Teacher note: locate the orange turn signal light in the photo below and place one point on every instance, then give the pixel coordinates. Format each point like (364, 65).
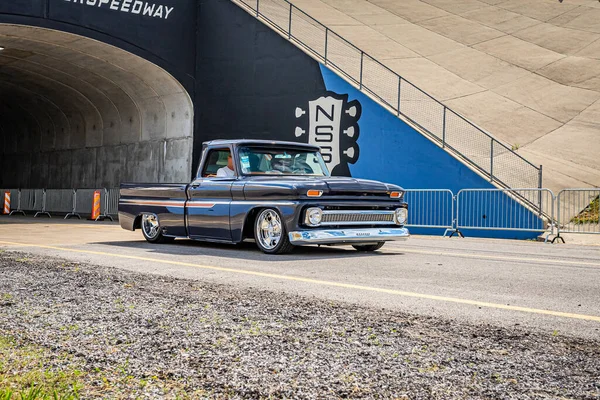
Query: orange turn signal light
(395, 195)
(314, 193)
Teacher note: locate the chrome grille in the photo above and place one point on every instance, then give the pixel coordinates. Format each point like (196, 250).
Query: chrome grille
(357, 217)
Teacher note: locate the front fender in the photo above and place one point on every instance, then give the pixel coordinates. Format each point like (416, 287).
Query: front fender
(243, 215)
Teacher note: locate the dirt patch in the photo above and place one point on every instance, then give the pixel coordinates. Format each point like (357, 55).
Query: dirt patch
(216, 340)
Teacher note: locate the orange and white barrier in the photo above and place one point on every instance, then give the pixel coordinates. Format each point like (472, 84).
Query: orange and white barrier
(6, 202)
(96, 205)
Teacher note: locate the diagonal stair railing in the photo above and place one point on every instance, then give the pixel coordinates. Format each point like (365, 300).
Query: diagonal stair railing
(459, 136)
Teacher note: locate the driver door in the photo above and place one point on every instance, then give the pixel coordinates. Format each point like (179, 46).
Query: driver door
(210, 199)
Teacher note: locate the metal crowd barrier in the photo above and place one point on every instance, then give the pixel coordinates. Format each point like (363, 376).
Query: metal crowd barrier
(71, 202)
(28, 201)
(577, 212)
(504, 209)
(111, 205)
(73, 212)
(529, 210)
(19, 198)
(430, 208)
(85, 198)
(59, 200)
(39, 203)
(62, 201)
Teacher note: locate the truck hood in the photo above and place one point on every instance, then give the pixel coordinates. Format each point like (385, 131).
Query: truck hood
(330, 185)
(348, 186)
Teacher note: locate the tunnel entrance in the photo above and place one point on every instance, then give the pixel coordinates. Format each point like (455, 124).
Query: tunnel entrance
(79, 113)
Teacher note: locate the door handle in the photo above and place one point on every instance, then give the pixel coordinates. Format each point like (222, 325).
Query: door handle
(195, 185)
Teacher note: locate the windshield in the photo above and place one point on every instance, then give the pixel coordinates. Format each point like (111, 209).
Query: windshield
(281, 161)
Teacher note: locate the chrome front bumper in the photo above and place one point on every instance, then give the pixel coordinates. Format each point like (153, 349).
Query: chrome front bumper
(341, 236)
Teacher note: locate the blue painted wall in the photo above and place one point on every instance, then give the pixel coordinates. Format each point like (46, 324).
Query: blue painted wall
(392, 151)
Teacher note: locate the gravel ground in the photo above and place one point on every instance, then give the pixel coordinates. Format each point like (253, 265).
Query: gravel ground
(219, 341)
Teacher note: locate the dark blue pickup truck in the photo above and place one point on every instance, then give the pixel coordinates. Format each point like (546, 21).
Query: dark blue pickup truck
(278, 193)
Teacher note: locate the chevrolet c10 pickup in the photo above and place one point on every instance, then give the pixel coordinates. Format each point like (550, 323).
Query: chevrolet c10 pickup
(279, 194)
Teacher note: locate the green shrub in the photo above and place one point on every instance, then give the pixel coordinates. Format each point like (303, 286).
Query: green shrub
(589, 215)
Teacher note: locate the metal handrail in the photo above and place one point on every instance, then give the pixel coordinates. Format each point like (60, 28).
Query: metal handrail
(515, 175)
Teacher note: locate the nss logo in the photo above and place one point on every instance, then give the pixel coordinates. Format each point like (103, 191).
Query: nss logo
(332, 124)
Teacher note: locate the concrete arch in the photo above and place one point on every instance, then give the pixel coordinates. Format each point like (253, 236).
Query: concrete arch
(82, 113)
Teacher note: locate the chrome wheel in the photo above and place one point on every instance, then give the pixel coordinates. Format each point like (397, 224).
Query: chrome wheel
(268, 229)
(150, 226)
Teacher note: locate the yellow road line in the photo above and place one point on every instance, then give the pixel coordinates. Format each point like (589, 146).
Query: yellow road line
(324, 283)
(94, 227)
(498, 258)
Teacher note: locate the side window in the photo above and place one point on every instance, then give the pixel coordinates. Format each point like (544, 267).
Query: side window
(216, 160)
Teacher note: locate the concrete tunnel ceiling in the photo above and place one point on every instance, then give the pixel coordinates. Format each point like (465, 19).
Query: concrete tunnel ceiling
(76, 112)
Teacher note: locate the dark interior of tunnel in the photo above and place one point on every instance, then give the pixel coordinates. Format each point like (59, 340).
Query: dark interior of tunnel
(79, 113)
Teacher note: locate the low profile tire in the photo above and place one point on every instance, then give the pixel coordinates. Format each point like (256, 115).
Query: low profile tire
(270, 233)
(151, 230)
(369, 247)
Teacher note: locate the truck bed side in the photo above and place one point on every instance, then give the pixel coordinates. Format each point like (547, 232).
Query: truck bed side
(166, 200)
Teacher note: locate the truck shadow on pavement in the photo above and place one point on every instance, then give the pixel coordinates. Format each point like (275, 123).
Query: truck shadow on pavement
(246, 250)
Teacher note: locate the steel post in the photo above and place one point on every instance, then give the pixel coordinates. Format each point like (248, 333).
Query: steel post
(19, 204)
(290, 23)
(326, 37)
(539, 187)
(73, 212)
(444, 129)
(492, 160)
(362, 56)
(43, 210)
(399, 91)
(104, 212)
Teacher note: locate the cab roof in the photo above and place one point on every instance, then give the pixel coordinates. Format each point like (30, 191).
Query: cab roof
(256, 142)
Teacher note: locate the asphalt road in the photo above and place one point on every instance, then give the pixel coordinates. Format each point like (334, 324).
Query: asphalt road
(542, 287)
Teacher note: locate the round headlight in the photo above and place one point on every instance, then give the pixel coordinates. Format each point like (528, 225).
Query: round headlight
(313, 216)
(400, 216)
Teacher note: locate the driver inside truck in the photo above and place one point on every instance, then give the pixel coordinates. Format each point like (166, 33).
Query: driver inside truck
(226, 171)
